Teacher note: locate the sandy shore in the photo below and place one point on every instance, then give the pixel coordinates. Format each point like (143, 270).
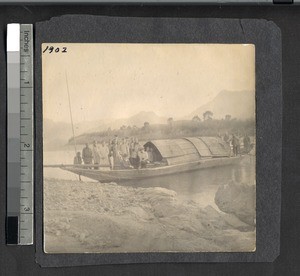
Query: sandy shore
(96, 217)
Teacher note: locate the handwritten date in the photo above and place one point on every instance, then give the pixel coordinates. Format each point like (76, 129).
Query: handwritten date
(51, 49)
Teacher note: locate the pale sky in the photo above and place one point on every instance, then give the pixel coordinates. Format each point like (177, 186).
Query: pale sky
(120, 80)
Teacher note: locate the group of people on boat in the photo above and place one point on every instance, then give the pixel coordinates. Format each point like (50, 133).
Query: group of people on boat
(129, 153)
(124, 153)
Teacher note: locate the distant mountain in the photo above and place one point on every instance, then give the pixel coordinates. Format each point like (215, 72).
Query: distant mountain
(238, 104)
(140, 118)
(57, 134)
(136, 120)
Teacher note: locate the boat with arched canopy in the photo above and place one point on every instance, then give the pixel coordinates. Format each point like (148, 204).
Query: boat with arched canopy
(171, 156)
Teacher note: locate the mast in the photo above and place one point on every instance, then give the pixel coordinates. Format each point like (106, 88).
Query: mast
(71, 117)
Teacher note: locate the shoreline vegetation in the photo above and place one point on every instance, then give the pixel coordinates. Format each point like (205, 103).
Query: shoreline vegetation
(229, 112)
(174, 129)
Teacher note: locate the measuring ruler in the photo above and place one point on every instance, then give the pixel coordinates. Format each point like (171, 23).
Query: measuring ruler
(20, 133)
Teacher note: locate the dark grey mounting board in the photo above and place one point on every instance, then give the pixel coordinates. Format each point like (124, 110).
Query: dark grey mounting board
(21, 260)
(267, 39)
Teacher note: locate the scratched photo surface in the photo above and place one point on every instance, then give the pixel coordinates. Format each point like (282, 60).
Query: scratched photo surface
(149, 148)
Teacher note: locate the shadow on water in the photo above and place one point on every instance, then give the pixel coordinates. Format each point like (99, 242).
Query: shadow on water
(191, 185)
(199, 186)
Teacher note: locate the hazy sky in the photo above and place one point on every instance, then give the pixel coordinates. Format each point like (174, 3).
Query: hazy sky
(119, 80)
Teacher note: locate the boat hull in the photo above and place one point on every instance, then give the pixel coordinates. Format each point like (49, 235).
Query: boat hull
(134, 174)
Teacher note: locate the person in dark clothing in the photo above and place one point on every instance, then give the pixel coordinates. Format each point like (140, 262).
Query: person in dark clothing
(134, 157)
(77, 159)
(226, 137)
(87, 155)
(143, 158)
(235, 145)
(247, 143)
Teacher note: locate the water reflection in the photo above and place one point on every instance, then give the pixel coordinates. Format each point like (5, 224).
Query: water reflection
(202, 185)
(195, 180)
(199, 186)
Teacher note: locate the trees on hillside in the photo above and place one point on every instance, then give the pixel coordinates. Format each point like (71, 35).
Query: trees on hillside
(196, 118)
(146, 127)
(173, 129)
(228, 117)
(207, 115)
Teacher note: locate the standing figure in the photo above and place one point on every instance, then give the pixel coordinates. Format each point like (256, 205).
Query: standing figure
(115, 140)
(111, 157)
(235, 145)
(96, 155)
(226, 138)
(115, 149)
(134, 158)
(103, 150)
(124, 149)
(77, 159)
(87, 155)
(247, 143)
(143, 158)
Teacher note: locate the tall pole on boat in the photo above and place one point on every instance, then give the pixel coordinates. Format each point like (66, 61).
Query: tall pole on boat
(70, 108)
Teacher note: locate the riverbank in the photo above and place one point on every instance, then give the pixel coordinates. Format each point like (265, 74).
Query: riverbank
(95, 217)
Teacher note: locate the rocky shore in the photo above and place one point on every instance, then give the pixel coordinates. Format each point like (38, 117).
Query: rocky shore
(238, 199)
(96, 217)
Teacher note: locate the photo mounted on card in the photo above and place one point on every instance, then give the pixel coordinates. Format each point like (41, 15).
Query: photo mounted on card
(155, 147)
(148, 150)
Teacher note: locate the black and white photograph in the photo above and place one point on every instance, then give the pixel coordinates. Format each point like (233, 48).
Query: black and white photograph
(149, 147)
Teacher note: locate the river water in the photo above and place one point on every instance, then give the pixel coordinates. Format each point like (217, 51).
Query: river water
(199, 186)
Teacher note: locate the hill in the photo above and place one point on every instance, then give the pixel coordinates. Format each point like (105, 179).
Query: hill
(238, 104)
(57, 134)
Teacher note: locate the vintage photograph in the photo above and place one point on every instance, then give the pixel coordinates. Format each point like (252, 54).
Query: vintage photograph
(149, 147)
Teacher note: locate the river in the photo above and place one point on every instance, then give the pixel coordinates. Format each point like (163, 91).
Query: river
(199, 186)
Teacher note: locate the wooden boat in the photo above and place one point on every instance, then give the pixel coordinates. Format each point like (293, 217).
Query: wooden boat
(172, 156)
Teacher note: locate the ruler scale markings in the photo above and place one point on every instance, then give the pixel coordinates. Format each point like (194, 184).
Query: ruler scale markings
(20, 134)
(13, 133)
(26, 136)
